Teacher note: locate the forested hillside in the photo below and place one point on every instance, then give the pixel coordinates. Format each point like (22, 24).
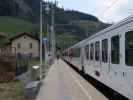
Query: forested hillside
(68, 23)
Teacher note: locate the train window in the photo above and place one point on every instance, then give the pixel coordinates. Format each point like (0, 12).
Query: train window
(115, 50)
(105, 50)
(97, 51)
(87, 52)
(76, 52)
(129, 48)
(92, 52)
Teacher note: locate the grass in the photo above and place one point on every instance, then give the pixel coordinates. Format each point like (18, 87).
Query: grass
(11, 26)
(35, 62)
(66, 40)
(89, 25)
(11, 91)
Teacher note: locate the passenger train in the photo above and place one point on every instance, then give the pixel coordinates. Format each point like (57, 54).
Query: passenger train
(107, 56)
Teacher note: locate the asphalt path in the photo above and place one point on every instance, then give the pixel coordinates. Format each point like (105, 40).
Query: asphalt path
(63, 83)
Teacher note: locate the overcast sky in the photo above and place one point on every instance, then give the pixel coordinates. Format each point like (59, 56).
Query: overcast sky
(105, 10)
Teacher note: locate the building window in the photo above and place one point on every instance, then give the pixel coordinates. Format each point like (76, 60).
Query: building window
(87, 52)
(92, 52)
(129, 48)
(105, 50)
(115, 50)
(19, 45)
(31, 45)
(97, 51)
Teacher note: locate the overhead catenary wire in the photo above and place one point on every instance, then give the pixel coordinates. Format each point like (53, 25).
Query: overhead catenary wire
(107, 5)
(110, 6)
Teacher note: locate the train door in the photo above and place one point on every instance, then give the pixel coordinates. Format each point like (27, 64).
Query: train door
(115, 66)
(86, 58)
(97, 63)
(91, 62)
(129, 58)
(67, 53)
(77, 58)
(104, 56)
(71, 54)
(82, 58)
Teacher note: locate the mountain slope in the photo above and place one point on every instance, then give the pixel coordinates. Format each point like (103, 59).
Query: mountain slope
(24, 16)
(90, 27)
(12, 26)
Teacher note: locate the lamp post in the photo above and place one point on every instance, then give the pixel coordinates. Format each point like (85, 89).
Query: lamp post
(41, 41)
(53, 34)
(41, 36)
(48, 7)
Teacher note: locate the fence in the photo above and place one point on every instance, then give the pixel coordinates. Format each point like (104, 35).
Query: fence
(11, 64)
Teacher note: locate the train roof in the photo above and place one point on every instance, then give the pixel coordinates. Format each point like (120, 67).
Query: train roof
(79, 44)
(117, 25)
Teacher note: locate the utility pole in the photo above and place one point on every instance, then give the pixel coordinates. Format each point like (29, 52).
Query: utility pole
(53, 34)
(49, 6)
(47, 44)
(41, 59)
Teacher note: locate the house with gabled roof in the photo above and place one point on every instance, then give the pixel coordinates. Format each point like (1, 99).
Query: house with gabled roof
(25, 44)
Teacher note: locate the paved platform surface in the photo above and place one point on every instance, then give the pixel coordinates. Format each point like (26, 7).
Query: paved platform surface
(63, 83)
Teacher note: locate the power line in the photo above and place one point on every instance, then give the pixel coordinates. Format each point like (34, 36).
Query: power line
(108, 8)
(110, 5)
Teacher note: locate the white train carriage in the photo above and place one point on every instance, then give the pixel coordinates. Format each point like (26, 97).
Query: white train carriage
(108, 57)
(65, 53)
(75, 54)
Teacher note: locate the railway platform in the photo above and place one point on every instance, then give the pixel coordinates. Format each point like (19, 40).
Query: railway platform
(63, 83)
